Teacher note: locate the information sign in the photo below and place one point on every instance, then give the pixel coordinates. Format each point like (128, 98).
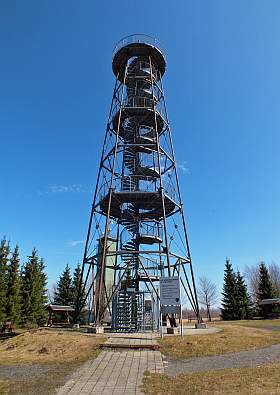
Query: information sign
(169, 291)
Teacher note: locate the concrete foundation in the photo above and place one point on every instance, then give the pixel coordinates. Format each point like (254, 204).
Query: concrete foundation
(99, 330)
(200, 325)
(173, 331)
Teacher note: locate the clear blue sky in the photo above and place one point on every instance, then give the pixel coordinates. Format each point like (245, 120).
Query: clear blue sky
(222, 87)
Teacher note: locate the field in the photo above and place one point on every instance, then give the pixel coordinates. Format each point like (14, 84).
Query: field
(235, 337)
(43, 358)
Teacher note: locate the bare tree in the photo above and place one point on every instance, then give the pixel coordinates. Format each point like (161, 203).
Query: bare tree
(252, 277)
(51, 293)
(207, 294)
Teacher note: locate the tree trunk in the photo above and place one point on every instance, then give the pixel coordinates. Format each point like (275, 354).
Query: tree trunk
(208, 313)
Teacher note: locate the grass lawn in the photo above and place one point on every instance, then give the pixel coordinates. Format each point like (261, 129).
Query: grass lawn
(236, 336)
(260, 323)
(233, 338)
(260, 380)
(60, 352)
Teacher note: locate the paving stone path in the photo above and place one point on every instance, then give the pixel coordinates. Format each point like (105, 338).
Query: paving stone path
(116, 371)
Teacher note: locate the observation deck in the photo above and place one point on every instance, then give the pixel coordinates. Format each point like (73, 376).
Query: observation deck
(149, 202)
(139, 45)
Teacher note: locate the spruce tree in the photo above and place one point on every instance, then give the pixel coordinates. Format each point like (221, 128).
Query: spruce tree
(40, 293)
(64, 291)
(33, 290)
(75, 286)
(242, 298)
(13, 288)
(4, 258)
(265, 290)
(229, 293)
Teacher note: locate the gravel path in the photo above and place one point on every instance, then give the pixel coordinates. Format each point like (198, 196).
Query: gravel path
(23, 371)
(231, 360)
(270, 327)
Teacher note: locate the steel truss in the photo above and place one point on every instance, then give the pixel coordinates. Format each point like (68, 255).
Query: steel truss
(137, 230)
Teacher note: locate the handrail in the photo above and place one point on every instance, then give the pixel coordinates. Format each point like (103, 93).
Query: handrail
(138, 38)
(150, 229)
(134, 183)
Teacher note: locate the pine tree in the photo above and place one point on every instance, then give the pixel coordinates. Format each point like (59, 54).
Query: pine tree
(64, 291)
(265, 290)
(13, 289)
(229, 303)
(4, 258)
(242, 298)
(34, 290)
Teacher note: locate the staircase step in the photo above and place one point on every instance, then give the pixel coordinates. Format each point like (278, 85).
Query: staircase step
(139, 346)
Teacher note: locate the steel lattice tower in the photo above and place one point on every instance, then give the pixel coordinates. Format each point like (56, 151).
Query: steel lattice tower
(137, 230)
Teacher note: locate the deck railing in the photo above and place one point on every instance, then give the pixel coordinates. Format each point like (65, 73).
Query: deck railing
(138, 38)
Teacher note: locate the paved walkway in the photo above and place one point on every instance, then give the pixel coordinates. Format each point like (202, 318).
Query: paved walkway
(116, 372)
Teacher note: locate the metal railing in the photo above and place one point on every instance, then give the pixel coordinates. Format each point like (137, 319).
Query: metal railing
(140, 229)
(151, 266)
(151, 229)
(140, 101)
(135, 183)
(141, 39)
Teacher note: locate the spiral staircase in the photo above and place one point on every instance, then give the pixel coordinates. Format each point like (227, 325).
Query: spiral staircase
(137, 201)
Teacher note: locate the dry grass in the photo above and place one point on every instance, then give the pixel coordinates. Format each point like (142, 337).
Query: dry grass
(260, 380)
(43, 346)
(233, 338)
(260, 323)
(62, 352)
(44, 385)
(4, 387)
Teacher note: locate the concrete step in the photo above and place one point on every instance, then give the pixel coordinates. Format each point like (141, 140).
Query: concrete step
(125, 346)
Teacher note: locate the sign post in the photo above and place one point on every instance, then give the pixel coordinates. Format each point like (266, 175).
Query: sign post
(181, 316)
(170, 300)
(169, 291)
(161, 328)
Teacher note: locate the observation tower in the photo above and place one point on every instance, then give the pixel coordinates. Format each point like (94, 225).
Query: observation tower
(137, 230)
